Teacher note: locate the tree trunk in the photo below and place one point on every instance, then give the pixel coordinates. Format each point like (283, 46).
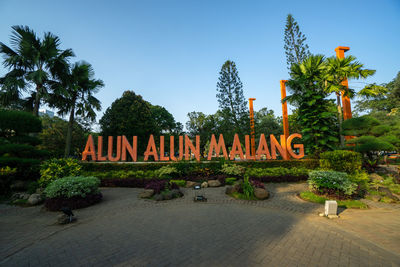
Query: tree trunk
(37, 102)
(69, 132)
(340, 119)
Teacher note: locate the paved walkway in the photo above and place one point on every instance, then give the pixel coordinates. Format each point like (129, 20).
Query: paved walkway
(126, 231)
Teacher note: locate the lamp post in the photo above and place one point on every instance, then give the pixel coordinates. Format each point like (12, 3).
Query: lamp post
(252, 131)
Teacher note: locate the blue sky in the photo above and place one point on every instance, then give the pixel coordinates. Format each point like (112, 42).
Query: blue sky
(170, 52)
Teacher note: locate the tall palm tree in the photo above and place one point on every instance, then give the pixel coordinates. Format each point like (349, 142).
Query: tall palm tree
(32, 63)
(337, 71)
(73, 94)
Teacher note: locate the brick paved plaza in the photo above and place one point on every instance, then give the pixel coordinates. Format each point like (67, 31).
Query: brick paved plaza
(126, 231)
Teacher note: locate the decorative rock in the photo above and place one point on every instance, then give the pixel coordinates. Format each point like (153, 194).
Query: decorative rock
(204, 184)
(18, 185)
(261, 193)
(158, 197)
(214, 183)
(20, 196)
(190, 184)
(64, 219)
(147, 193)
(34, 199)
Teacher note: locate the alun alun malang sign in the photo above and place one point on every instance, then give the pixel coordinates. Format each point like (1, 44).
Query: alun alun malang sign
(187, 148)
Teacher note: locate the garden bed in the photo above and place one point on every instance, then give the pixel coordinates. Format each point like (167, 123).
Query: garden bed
(76, 202)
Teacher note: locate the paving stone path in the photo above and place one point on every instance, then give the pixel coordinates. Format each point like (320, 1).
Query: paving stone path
(126, 231)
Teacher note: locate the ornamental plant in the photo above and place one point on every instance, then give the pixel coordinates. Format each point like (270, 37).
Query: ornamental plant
(247, 188)
(233, 169)
(55, 169)
(72, 186)
(339, 182)
(166, 172)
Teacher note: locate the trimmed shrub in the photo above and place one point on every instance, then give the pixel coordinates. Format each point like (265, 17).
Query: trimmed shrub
(185, 168)
(19, 122)
(180, 183)
(230, 180)
(341, 161)
(27, 169)
(54, 169)
(232, 169)
(72, 186)
(331, 182)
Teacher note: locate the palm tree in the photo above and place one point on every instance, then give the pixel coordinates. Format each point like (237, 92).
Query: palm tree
(73, 94)
(32, 63)
(337, 71)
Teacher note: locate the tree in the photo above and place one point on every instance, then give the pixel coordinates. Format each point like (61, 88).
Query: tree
(54, 134)
(131, 115)
(202, 125)
(296, 49)
(266, 122)
(74, 95)
(316, 114)
(32, 62)
(387, 101)
(337, 71)
(372, 137)
(231, 98)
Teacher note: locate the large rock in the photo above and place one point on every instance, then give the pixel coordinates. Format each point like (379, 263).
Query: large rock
(204, 184)
(261, 193)
(214, 183)
(34, 199)
(147, 193)
(190, 184)
(20, 196)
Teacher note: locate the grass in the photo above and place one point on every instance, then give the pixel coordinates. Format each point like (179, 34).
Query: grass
(348, 204)
(242, 196)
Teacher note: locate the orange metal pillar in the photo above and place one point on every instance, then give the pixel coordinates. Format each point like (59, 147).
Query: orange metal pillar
(285, 118)
(345, 99)
(252, 130)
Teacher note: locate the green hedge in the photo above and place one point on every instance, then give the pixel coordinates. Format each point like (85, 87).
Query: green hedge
(193, 167)
(72, 186)
(341, 161)
(19, 122)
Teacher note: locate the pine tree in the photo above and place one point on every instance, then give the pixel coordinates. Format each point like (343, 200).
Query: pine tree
(296, 49)
(230, 96)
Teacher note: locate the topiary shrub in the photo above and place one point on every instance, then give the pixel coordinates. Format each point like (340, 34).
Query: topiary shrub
(341, 161)
(54, 169)
(332, 183)
(17, 147)
(73, 192)
(180, 183)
